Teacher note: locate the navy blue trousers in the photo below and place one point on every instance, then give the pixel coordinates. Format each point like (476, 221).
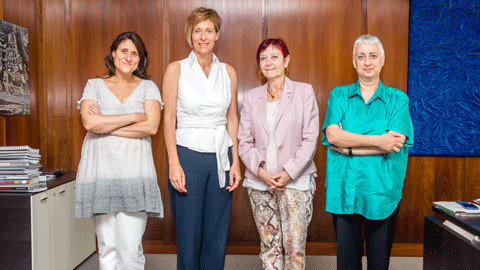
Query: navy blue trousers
(378, 240)
(202, 215)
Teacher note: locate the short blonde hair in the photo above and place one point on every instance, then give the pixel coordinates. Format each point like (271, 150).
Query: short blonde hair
(199, 15)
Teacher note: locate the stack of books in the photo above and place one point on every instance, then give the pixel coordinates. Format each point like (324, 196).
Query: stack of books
(457, 209)
(20, 169)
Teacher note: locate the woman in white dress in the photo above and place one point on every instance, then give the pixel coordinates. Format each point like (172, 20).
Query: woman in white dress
(201, 125)
(116, 182)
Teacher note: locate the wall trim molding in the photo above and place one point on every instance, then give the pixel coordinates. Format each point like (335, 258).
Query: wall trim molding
(313, 248)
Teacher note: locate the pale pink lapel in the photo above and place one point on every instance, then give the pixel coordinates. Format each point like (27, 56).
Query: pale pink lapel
(262, 103)
(285, 100)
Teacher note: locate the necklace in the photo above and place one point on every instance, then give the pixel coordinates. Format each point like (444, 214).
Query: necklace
(272, 95)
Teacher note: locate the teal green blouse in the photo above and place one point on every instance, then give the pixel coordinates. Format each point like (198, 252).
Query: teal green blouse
(367, 185)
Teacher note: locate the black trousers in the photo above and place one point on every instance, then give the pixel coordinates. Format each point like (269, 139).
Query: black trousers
(378, 240)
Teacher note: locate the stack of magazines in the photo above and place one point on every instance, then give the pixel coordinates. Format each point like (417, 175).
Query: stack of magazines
(459, 208)
(20, 169)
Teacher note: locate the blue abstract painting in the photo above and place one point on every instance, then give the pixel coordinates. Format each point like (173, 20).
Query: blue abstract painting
(444, 77)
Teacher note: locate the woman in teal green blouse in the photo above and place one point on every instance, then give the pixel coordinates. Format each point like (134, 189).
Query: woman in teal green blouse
(368, 130)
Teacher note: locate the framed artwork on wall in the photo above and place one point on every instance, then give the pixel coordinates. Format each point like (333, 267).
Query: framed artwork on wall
(444, 77)
(14, 69)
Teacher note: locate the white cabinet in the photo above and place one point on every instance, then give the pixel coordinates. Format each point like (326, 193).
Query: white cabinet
(41, 230)
(59, 241)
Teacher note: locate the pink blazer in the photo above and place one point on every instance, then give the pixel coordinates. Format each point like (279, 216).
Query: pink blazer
(296, 131)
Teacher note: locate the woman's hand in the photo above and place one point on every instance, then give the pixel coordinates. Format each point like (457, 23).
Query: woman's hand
(235, 177)
(94, 111)
(93, 108)
(140, 117)
(267, 177)
(281, 179)
(177, 178)
(391, 141)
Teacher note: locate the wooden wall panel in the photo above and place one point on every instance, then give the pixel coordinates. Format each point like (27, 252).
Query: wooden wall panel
(90, 35)
(56, 127)
(3, 131)
(472, 178)
(320, 48)
(388, 19)
(449, 178)
(94, 25)
(240, 33)
(418, 196)
(320, 36)
(175, 15)
(70, 38)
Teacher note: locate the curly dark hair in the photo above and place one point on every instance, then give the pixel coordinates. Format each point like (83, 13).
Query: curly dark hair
(142, 53)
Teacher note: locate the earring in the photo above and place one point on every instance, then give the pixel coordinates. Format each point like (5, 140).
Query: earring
(286, 71)
(260, 74)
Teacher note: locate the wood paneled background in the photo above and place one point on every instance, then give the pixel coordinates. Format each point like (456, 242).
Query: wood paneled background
(70, 38)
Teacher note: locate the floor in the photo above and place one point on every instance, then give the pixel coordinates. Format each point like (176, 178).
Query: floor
(234, 262)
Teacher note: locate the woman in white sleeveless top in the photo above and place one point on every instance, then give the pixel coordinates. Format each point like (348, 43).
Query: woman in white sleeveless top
(200, 127)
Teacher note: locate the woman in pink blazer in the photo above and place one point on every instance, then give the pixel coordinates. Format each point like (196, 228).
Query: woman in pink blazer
(278, 133)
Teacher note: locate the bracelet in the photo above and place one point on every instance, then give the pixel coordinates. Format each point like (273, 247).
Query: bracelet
(350, 154)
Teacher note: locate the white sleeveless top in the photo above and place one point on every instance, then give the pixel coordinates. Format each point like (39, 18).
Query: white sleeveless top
(202, 105)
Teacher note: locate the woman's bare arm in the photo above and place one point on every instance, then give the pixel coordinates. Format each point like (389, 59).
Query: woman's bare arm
(232, 129)
(148, 127)
(170, 96)
(101, 124)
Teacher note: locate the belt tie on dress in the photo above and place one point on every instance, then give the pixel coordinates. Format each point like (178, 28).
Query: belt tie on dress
(221, 139)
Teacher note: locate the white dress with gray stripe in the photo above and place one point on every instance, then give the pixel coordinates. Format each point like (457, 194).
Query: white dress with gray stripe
(117, 174)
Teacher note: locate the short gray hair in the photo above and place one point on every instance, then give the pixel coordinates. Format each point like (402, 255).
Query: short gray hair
(368, 39)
